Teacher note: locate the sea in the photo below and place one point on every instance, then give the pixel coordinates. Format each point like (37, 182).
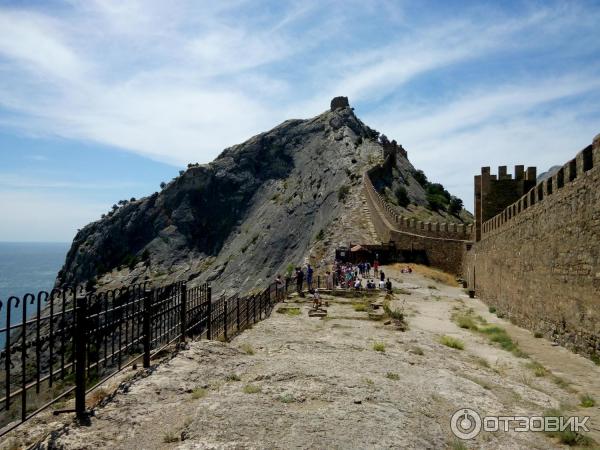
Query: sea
(28, 267)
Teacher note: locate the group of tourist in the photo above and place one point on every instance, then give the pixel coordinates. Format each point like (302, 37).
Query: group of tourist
(363, 275)
(352, 276)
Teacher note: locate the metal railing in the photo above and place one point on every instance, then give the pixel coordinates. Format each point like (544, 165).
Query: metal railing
(64, 342)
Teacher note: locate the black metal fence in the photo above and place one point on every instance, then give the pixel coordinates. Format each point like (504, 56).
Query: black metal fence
(64, 342)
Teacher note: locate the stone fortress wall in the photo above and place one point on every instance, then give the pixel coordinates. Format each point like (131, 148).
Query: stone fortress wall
(444, 244)
(536, 258)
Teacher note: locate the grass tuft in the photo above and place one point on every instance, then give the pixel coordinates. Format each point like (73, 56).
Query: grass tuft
(233, 377)
(458, 445)
(198, 393)
(567, 437)
(252, 389)
(587, 401)
(466, 321)
(247, 348)
(451, 342)
(379, 347)
(416, 350)
(170, 436)
(500, 336)
(538, 369)
(392, 376)
(287, 398)
(359, 307)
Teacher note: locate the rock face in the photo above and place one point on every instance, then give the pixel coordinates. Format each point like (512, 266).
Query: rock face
(240, 219)
(276, 200)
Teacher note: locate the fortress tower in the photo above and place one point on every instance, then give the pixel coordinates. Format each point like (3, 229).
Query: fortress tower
(493, 193)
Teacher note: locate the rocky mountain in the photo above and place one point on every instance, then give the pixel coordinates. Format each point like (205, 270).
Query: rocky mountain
(279, 199)
(548, 173)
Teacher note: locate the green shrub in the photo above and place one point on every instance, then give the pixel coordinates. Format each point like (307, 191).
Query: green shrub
(343, 192)
(402, 196)
(455, 206)
(421, 178)
(492, 309)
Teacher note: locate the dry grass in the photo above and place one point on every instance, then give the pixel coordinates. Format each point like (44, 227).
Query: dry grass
(198, 393)
(429, 272)
(252, 389)
(170, 437)
(96, 396)
(247, 348)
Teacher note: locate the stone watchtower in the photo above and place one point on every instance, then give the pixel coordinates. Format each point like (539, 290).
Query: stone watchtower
(339, 102)
(493, 193)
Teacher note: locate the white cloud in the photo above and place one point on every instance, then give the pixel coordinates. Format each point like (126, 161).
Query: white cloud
(178, 84)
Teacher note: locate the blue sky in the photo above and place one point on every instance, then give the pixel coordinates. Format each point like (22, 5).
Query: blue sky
(103, 100)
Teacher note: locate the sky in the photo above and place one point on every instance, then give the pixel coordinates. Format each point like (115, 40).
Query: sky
(103, 100)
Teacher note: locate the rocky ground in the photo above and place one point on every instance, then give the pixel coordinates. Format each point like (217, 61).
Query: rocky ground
(298, 382)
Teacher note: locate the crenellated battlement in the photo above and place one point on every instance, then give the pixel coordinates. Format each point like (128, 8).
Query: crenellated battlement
(536, 260)
(494, 192)
(402, 223)
(533, 192)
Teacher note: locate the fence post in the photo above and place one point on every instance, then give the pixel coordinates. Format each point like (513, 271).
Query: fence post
(147, 318)
(183, 311)
(80, 356)
(225, 318)
(238, 312)
(209, 314)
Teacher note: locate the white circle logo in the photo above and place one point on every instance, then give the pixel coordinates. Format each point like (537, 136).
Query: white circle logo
(465, 424)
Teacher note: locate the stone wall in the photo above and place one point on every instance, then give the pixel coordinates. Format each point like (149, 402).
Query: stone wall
(442, 251)
(538, 261)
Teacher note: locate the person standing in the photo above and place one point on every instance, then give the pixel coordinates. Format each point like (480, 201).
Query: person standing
(388, 286)
(309, 276)
(329, 280)
(299, 280)
(381, 275)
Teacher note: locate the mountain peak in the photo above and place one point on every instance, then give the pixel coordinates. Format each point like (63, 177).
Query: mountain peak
(339, 102)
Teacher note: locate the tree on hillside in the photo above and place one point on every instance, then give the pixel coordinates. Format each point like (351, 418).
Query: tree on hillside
(402, 196)
(421, 178)
(456, 206)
